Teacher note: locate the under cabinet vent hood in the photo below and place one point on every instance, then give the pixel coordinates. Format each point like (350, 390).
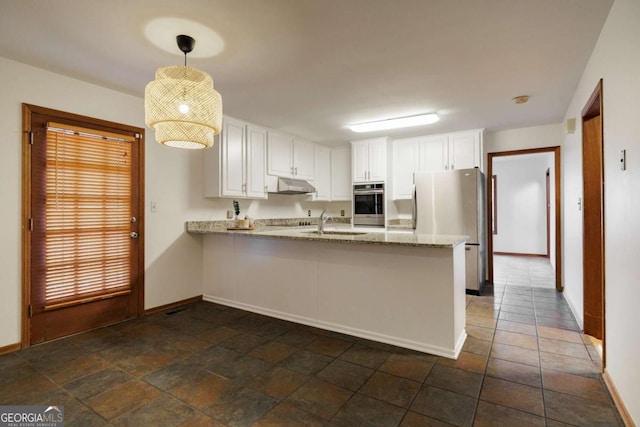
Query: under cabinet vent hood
(294, 186)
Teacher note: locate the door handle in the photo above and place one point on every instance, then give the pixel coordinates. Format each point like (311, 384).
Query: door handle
(134, 235)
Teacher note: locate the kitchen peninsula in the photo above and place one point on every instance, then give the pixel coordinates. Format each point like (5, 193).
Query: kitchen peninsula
(398, 288)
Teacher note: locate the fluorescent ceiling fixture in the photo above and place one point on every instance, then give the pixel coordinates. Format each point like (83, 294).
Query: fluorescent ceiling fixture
(400, 122)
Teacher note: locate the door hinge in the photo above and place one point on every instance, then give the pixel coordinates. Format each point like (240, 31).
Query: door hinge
(31, 137)
(30, 224)
(30, 310)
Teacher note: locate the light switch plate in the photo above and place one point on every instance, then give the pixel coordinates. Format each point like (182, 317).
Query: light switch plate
(154, 206)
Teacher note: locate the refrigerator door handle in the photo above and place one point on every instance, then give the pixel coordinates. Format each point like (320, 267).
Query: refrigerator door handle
(414, 218)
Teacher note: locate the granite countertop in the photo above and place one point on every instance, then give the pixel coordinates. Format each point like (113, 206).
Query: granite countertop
(404, 238)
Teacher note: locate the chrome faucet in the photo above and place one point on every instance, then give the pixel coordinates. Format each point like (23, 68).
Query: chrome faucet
(322, 221)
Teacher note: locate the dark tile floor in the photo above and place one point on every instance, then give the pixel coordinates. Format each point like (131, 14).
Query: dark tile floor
(524, 363)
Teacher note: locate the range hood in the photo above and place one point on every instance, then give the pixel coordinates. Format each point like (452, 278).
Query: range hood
(294, 186)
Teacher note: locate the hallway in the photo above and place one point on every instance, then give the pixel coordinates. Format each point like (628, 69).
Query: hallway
(534, 272)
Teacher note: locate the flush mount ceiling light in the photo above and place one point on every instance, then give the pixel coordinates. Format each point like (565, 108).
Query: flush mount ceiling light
(396, 123)
(182, 105)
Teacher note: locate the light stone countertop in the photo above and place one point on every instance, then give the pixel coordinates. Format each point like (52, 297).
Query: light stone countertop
(365, 236)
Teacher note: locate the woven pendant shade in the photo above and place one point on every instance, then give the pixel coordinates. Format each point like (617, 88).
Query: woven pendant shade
(183, 107)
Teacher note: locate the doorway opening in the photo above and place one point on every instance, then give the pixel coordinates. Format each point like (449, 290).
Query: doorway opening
(549, 246)
(593, 217)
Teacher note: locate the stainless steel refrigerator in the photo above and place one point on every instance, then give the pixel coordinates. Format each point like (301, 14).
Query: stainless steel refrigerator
(453, 202)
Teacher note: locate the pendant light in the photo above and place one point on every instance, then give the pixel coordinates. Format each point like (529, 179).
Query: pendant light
(181, 104)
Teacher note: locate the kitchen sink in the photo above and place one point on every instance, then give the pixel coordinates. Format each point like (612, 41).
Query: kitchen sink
(336, 232)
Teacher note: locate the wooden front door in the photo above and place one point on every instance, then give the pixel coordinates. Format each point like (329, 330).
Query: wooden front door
(593, 215)
(83, 217)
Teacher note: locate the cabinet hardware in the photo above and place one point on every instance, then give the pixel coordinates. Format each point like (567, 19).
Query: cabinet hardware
(296, 171)
(134, 235)
(244, 188)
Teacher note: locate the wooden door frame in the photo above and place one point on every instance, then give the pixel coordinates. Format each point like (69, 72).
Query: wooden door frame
(558, 214)
(594, 107)
(27, 111)
(548, 210)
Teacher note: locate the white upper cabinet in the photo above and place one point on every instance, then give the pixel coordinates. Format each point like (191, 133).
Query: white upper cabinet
(303, 162)
(233, 158)
(289, 157)
(433, 153)
(360, 156)
(369, 160)
(341, 188)
(465, 150)
(404, 163)
(460, 150)
(279, 154)
(256, 161)
(235, 166)
(322, 159)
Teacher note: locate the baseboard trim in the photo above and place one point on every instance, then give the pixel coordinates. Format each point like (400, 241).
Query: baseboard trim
(373, 336)
(626, 417)
(521, 255)
(11, 348)
(172, 305)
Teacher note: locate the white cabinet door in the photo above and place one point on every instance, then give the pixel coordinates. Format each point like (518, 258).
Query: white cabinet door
(303, 165)
(322, 160)
(341, 174)
(256, 162)
(377, 160)
(279, 154)
(464, 150)
(233, 170)
(360, 161)
(405, 163)
(433, 153)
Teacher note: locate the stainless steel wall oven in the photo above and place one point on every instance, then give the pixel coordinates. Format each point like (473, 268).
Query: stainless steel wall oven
(368, 205)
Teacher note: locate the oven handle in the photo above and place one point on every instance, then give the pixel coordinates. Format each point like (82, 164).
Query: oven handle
(360, 192)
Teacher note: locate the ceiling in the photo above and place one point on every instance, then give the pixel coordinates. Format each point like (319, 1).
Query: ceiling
(310, 67)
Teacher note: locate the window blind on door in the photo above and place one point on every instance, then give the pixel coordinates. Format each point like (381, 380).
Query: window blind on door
(87, 215)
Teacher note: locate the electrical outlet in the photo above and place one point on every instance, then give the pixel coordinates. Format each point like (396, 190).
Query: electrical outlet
(229, 214)
(341, 212)
(309, 212)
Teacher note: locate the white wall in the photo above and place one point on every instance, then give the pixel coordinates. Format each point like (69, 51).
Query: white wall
(523, 138)
(173, 180)
(173, 259)
(615, 59)
(521, 196)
